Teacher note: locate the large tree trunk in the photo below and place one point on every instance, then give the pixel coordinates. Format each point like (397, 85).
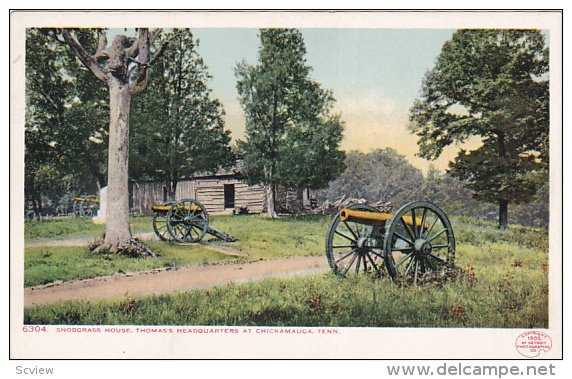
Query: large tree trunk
(503, 214)
(117, 224)
(503, 204)
(270, 200)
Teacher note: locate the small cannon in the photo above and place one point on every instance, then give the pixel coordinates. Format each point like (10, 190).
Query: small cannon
(80, 206)
(85, 206)
(184, 221)
(415, 242)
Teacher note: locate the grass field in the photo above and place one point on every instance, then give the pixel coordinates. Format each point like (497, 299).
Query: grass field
(504, 285)
(76, 227)
(259, 238)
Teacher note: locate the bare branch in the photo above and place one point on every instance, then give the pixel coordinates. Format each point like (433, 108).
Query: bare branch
(101, 54)
(154, 35)
(158, 53)
(142, 56)
(102, 43)
(83, 56)
(134, 49)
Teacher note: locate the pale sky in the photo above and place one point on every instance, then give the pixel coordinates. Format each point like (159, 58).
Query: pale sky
(375, 75)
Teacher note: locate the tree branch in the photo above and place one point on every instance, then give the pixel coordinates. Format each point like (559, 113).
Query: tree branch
(101, 53)
(134, 50)
(144, 58)
(158, 53)
(102, 43)
(83, 56)
(154, 35)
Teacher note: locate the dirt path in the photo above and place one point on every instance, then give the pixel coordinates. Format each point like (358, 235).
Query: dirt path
(169, 281)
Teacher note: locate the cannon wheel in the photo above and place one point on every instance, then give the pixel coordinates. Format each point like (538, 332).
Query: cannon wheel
(87, 208)
(187, 221)
(345, 255)
(420, 249)
(160, 225)
(76, 208)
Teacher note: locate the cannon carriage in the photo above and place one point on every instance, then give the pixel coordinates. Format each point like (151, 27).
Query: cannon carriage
(410, 245)
(185, 221)
(85, 206)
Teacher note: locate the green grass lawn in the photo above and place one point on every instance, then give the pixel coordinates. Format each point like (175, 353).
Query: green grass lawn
(507, 286)
(45, 265)
(259, 238)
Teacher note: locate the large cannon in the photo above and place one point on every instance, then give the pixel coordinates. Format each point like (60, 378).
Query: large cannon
(184, 221)
(414, 243)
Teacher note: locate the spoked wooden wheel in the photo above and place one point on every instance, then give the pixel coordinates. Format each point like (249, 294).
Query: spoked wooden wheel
(354, 248)
(160, 225)
(187, 221)
(76, 208)
(88, 208)
(419, 242)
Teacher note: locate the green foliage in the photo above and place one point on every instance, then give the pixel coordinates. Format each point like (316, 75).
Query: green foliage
(381, 174)
(49, 264)
(68, 228)
(66, 120)
(492, 84)
(292, 139)
(453, 195)
(385, 175)
(177, 128)
(76, 227)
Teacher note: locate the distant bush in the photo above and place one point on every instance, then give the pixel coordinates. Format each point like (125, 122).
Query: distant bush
(384, 174)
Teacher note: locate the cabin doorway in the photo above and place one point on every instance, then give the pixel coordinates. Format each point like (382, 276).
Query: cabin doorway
(229, 196)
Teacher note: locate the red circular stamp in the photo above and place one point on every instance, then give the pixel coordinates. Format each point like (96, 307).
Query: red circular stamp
(530, 344)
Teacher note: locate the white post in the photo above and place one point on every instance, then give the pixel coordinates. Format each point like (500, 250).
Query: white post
(100, 217)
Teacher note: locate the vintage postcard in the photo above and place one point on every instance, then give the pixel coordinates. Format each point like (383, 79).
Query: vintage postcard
(263, 184)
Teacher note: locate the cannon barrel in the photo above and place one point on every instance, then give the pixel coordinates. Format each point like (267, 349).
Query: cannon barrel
(364, 217)
(166, 207)
(89, 200)
(374, 218)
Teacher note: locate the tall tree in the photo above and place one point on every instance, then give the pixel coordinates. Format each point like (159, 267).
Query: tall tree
(178, 128)
(123, 68)
(45, 107)
(292, 138)
(63, 126)
(492, 84)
